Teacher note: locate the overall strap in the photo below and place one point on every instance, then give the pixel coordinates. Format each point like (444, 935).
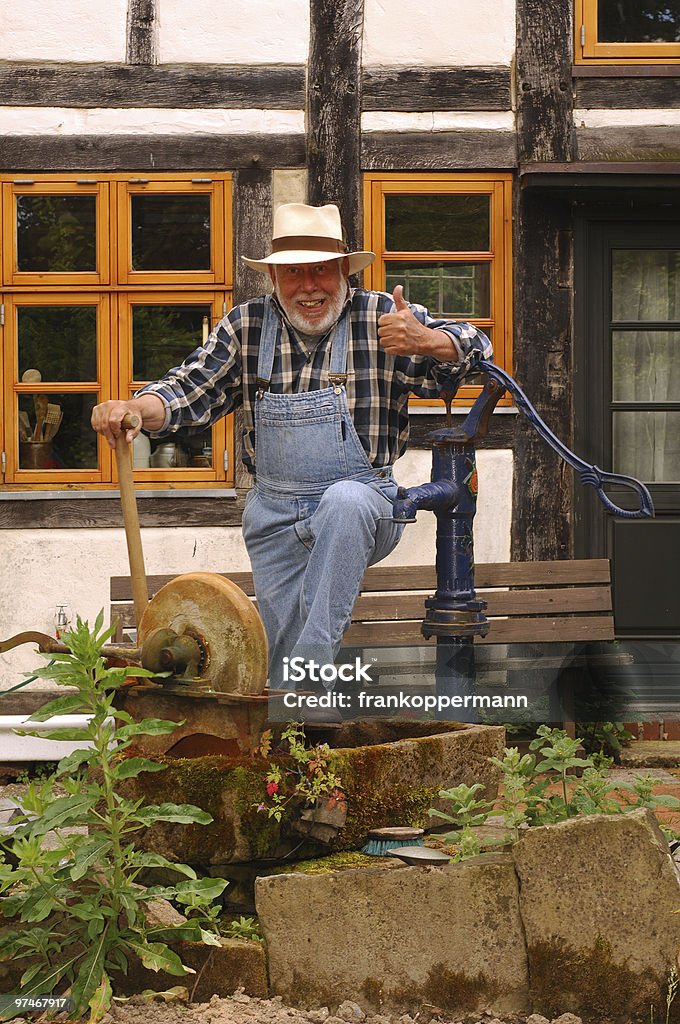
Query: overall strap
(268, 339)
(337, 372)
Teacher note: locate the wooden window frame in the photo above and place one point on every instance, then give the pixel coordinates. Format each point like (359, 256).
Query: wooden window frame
(80, 186)
(590, 51)
(220, 215)
(498, 187)
(114, 289)
(122, 372)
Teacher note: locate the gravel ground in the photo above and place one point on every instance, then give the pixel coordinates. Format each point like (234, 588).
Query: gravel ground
(243, 1009)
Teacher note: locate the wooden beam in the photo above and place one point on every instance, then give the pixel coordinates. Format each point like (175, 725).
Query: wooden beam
(252, 204)
(501, 434)
(105, 513)
(629, 143)
(142, 36)
(400, 88)
(544, 95)
(627, 93)
(542, 483)
(182, 86)
(149, 152)
(438, 151)
(334, 110)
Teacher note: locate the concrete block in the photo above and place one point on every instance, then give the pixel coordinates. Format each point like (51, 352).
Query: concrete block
(597, 896)
(397, 938)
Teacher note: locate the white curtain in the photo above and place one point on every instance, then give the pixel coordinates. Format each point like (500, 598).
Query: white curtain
(646, 362)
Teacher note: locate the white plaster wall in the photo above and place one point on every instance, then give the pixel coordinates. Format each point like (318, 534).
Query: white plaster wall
(601, 118)
(45, 568)
(240, 32)
(493, 520)
(444, 33)
(437, 121)
(148, 121)
(78, 30)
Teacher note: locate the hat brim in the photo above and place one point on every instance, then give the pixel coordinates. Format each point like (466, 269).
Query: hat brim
(357, 260)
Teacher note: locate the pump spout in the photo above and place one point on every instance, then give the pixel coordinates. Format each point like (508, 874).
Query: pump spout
(434, 497)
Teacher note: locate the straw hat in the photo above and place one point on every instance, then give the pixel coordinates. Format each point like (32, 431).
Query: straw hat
(308, 234)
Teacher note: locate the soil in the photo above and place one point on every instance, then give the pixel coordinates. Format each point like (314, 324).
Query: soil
(243, 1009)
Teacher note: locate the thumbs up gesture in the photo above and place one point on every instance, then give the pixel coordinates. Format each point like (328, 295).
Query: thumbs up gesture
(399, 332)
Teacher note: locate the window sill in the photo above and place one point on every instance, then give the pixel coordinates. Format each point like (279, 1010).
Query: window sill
(37, 495)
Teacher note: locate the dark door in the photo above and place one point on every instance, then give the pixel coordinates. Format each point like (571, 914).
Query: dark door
(627, 409)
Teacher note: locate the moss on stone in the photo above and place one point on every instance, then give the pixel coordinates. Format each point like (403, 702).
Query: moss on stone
(451, 991)
(588, 982)
(343, 861)
(375, 800)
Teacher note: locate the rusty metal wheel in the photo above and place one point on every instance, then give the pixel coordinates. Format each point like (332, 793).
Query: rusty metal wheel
(224, 622)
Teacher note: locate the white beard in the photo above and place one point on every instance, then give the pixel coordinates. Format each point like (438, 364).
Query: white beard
(333, 309)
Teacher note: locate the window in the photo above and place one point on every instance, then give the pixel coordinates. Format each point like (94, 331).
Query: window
(447, 239)
(107, 283)
(622, 31)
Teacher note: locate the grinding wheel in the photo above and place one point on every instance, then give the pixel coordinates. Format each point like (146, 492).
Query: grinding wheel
(226, 624)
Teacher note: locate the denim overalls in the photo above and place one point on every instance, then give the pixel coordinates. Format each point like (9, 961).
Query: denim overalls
(319, 513)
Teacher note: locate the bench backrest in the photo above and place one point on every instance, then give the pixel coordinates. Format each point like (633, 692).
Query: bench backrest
(534, 602)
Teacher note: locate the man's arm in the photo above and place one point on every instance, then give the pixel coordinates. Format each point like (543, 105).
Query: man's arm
(206, 386)
(107, 417)
(401, 334)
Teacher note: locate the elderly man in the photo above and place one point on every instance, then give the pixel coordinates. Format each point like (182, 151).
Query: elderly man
(324, 373)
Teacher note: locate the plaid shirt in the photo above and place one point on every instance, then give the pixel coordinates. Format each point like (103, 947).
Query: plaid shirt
(220, 376)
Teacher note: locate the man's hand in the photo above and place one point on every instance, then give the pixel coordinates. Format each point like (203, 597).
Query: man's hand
(107, 417)
(401, 334)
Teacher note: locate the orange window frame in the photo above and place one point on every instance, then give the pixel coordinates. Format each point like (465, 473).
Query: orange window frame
(14, 388)
(113, 289)
(499, 189)
(589, 50)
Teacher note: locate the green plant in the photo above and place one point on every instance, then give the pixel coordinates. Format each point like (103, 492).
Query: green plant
(302, 774)
(36, 772)
(604, 739)
(78, 902)
(466, 811)
(243, 928)
(641, 788)
(558, 754)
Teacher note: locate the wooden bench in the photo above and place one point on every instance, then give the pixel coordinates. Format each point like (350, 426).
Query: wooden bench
(534, 604)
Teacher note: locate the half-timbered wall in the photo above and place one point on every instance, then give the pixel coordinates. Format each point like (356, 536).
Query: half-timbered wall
(296, 102)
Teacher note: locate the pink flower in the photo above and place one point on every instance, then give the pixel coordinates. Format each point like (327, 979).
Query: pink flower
(272, 787)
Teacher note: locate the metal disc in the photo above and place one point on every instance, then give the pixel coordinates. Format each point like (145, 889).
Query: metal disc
(225, 623)
(419, 855)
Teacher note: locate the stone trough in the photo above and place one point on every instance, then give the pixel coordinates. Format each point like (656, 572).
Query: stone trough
(391, 773)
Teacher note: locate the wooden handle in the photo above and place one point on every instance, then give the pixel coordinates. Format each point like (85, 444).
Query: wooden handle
(128, 501)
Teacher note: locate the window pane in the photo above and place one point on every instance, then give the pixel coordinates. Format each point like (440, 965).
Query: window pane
(638, 21)
(171, 232)
(163, 336)
(177, 451)
(646, 284)
(647, 445)
(441, 223)
(59, 341)
(445, 289)
(66, 440)
(56, 233)
(646, 366)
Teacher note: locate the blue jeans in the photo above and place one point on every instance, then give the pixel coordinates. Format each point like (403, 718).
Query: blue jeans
(309, 556)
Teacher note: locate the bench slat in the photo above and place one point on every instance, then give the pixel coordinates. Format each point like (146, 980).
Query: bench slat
(518, 631)
(414, 577)
(514, 602)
